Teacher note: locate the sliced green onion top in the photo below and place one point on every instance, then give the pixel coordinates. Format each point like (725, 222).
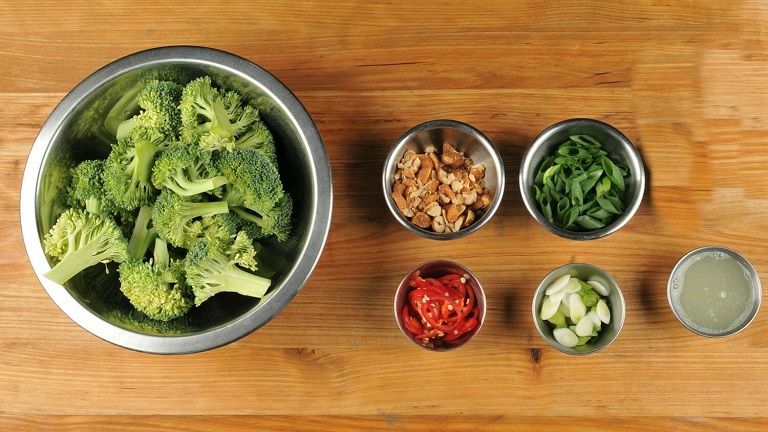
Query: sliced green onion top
(578, 187)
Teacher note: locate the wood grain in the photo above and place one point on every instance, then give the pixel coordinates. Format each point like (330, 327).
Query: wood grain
(686, 81)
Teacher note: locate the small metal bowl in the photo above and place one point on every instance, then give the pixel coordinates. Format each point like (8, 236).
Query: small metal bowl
(739, 268)
(620, 150)
(615, 301)
(464, 138)
(436, 269)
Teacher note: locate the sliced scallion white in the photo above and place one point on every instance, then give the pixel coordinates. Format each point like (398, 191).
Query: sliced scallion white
(599, 287)
(565, 337)
(603, 312)
(557, 285)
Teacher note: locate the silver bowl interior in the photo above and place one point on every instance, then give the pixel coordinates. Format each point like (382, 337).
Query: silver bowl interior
(464, 138)
(92, 299)
(615, 302)
(620, 149)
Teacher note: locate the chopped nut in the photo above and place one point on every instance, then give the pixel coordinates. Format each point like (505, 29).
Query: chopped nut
(398, 188)
(477, 171)
(446, 190)
(482, 201)
(424, 174)
(470, 218)
(451, 156)
(399, 201)
(451, 213)
(433, 209)
(442, 192)
(422, 220)
(438, 224)
(459, 223)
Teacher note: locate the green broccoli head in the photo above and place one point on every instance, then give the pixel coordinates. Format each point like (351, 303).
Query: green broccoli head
(159, 110)
(277, 221)
(80, 239)
(259, 137)
(156, 287)
(255, 193)
(211, 269)
(211, 117)
(254, 182)
(186, 170)
(87, 188)
(178, 219)
(128, 168)
(53, 194)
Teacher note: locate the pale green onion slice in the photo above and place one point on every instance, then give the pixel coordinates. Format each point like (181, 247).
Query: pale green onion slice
(557, 285)
(603, 312)
(572, 286)
(599, 287)
(585, 326)
(577, 307)
(565, 337)
(548, 308)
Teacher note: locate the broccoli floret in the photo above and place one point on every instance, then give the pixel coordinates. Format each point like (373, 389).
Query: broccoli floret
(255, 193)
(210, 270)
(128, 168)
(124, 109)
(143, 234)
(258, 137)
(80, 239)
(254, 181)
(277, 221)
(159, 102)
(186, 170)
(53, 194)
(177, 218)
(156, 287)
(211, 117)
(87, 189)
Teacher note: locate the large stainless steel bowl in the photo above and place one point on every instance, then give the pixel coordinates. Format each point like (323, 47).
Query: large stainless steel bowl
(92, 299)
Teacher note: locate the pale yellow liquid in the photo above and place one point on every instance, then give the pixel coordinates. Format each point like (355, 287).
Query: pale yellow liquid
(715, 292)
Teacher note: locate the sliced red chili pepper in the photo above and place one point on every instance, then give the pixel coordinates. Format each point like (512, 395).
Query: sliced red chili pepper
(410, 322)
(440, 310)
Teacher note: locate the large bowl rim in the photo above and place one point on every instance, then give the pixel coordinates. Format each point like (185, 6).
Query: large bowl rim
(526, 167)
(397, 151)
(297, 276)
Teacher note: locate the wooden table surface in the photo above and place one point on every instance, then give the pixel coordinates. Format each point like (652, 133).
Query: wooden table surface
(686, 81)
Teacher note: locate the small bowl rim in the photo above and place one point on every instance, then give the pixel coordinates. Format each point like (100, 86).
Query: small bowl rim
(541, 139)
(604, 343)
(396, 151)
(757, 289)
(477, 287)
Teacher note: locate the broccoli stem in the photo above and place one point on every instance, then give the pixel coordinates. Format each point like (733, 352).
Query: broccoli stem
(77, 261)
(142, 235)
(248, 215)
(184, 187)
(160, 254)
(200, 209)
(242, 282)
(124, 109)
(145, 155)
(220, 125)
